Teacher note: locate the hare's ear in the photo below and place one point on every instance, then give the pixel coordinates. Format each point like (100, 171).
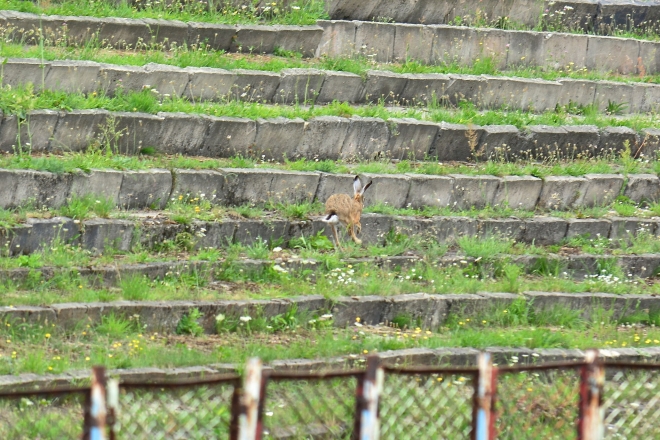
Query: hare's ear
(365, 187)
(357, 185)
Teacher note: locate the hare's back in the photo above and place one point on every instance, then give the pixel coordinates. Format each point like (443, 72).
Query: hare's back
(339, 203)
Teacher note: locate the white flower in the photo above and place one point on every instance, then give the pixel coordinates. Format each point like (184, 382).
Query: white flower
(220, 318)
(277, 249)
(279, 268)
(325, 317)
(245, 318)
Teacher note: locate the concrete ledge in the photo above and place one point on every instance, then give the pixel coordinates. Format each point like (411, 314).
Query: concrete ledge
(325, 137)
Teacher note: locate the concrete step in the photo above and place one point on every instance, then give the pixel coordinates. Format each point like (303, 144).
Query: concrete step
(578, 266)
(384, 42)
(416, 357)
(155, 188)
(307, 86)
(99, 235)
(430, 310)
(600, 16)
(323, 137)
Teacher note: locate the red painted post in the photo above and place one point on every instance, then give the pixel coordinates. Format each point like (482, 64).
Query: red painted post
(591, 412)
(95, 408)
(235, 412)
(249, 427)
(372, 385)
(483, 415)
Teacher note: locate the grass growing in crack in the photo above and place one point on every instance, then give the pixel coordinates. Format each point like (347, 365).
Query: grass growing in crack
(81, 208)
(189, 325)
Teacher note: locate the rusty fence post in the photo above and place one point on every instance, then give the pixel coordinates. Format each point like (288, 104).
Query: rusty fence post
(370, 386)
(591, 411)
(95, 409)
(483, 415)
(249, 423)
(236, 400)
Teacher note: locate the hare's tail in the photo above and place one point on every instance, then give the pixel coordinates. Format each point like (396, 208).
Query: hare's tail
(332, 218)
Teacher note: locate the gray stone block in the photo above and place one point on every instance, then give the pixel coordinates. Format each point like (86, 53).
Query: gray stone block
(412, 42)
(254, 39)
(642, 187)
(243, 186)
(145, 189)
(572, 14)
(367, 138)
(38, 188)
(205, 184)
(323, 138)
(543, 231)
(229, 136)
(301, 39)
(613, 93)
(600, 189)
(411, 138)
(430, 310)
(342, 87)
(375, 41)
(207, 84)
(474, 191)
(548, 142)
(210, 35)
(588, 227)
(649, 144)
(290, 187)
(565, 51)
(299, 86)
(609, 54)
(101, 234)
(330, 184)
(128, 78)
(518, 192)
(501, 142)
(645, 98)
(576, 92)
(493, 44)
(456, 142)
(375, 228)
(525, 49)
(98, 183)
(338, 38)
(588, 303)
(249, 232)
(426, 190)
(166, 80)
(467, 88)
(613, 140)
(450, 229)
(34, 135)
(383, 86)
(423, 88)
(77, 130)
(167, 33)
(561, 192)
(73, 76)
(123, 33)
(387, 189)
(214, 234)
(453, 45)
(624, 228)
(182, 133)
(254, 86)
(430, 11)
(278, 138)
(136, 130)
(648, 61)
(17, 71)
(504, 228)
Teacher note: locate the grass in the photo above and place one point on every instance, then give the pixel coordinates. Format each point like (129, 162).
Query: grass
(118, 342)
(301, 12)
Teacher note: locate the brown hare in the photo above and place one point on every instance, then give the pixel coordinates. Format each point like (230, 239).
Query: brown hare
(344, 209)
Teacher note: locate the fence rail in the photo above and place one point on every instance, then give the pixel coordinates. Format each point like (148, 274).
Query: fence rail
(585, 400)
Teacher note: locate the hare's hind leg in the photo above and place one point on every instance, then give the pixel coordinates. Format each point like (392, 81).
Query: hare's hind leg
(351, 231)
(334, 232)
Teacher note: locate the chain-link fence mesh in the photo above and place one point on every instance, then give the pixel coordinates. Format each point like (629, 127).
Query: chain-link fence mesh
(315, 407)
(201, 411)
(42, 417)
(538, 404)
(632, 403)
(426, 406)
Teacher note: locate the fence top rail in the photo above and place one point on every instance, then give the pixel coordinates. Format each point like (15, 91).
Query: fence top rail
(54, 391)
(540, 367)
(632, 365)
(283, 375)
(226, 379)
(431, 370)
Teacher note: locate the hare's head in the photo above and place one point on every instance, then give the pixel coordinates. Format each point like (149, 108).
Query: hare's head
(358, 190)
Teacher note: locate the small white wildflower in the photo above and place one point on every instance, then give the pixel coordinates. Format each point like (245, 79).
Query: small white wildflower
(245, 318)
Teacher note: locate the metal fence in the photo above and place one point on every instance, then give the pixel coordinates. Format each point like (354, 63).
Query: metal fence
(591, 399)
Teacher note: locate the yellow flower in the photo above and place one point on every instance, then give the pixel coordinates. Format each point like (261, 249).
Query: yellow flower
(365, 351)
(47, 335)
(87, 358)
(357, 319)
